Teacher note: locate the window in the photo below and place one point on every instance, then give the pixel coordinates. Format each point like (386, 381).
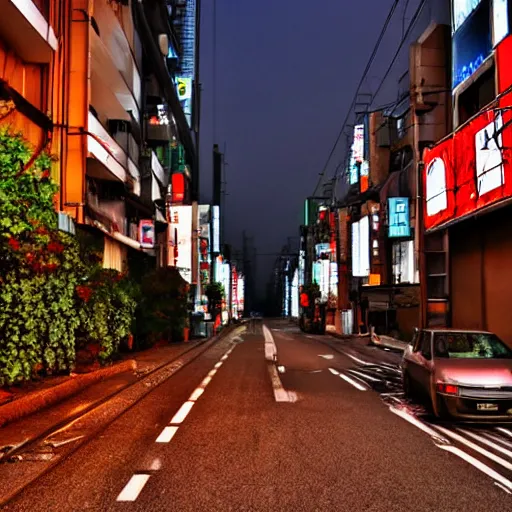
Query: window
(462, 345)
(489, 161)
(403, 262)
(426, 348)
(437, 199)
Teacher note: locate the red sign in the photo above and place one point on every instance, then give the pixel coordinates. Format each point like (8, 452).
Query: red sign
(469, 170)
(178, 188)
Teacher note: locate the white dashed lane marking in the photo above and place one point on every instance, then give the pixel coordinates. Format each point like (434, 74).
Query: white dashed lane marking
(133, 488)
(137, 482)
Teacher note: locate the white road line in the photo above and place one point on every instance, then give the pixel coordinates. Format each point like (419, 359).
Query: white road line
(211, 373)
(133, 488)
(206, 381)
(270, 345)
(369, 377)
(182, 413)
(224, 357)
(280, 394)
(353, 382)
(479, 465)
(502, 487)
(418, 423)
(166, 435)
(333, 371)
(196, 394)
(327, 356)
(219, 364)
(497, 439)
(504, 431)
(357, 360)
(484, 440)
(475, 447)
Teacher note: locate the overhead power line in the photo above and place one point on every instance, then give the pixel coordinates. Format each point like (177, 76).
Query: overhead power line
(412, 23)
(368, 65)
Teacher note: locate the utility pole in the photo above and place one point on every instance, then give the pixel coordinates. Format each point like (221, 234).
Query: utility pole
(216, 205)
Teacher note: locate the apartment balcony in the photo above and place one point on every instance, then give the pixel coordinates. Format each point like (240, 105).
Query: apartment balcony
(116, 82)
(154, 179)
(107, 160)
(24, 26)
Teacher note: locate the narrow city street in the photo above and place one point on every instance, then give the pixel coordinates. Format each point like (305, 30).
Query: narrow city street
(324, 428)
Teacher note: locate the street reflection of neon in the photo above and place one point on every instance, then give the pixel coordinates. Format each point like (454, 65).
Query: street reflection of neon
(479, 465)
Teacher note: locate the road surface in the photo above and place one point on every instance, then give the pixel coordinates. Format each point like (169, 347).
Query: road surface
(325, 428)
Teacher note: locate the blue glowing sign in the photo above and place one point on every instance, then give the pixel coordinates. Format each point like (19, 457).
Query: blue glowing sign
(398, 217)
(472, 43)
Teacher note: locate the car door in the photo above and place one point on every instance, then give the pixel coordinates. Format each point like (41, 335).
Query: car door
(418, 361)
(426, 365)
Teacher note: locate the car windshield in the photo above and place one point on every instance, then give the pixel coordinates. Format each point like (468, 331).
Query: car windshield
(460, 345)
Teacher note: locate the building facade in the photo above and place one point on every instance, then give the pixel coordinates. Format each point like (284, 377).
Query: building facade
(107, 86)
(467, 180)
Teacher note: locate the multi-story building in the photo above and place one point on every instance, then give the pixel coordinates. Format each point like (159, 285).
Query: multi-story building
(106, 86)
(30, 57)
(467, 179)
(381, 206)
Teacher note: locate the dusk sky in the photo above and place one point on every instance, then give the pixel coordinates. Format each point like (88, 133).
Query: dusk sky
(286, 73)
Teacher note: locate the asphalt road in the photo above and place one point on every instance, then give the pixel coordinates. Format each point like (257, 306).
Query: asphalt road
(346, 440)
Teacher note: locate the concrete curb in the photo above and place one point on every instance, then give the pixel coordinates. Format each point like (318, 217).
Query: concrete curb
(39, 400)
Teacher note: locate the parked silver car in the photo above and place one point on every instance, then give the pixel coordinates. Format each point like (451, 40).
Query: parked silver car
(464, 374)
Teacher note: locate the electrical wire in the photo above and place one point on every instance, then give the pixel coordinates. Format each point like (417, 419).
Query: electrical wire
(352, 105)
(414, 19)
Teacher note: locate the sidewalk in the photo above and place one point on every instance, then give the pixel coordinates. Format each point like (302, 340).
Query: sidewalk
(32, 397)
(385, 342)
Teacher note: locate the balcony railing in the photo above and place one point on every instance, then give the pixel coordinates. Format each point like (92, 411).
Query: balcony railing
(24, 26)
(114, 160)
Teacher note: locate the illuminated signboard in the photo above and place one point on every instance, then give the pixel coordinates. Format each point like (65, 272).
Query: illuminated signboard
(461, 11)
(357, 154)
(489, 160)
(500, 22)
(468, 171)
(216, 228)
(398, 217)
(471, 43)
(361, 248)
(184, 92)
(437, 199)
(185, 20)
(181, 242)
(147, 233)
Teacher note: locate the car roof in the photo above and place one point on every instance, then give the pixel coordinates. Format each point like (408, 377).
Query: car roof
(459, 331)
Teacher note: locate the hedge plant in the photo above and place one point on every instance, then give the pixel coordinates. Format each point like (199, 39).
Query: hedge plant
(39, 268)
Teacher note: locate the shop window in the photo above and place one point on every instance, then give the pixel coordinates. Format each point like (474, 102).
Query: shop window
(403, 262)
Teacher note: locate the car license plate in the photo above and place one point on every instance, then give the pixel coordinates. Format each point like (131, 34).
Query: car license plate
(487, 407)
